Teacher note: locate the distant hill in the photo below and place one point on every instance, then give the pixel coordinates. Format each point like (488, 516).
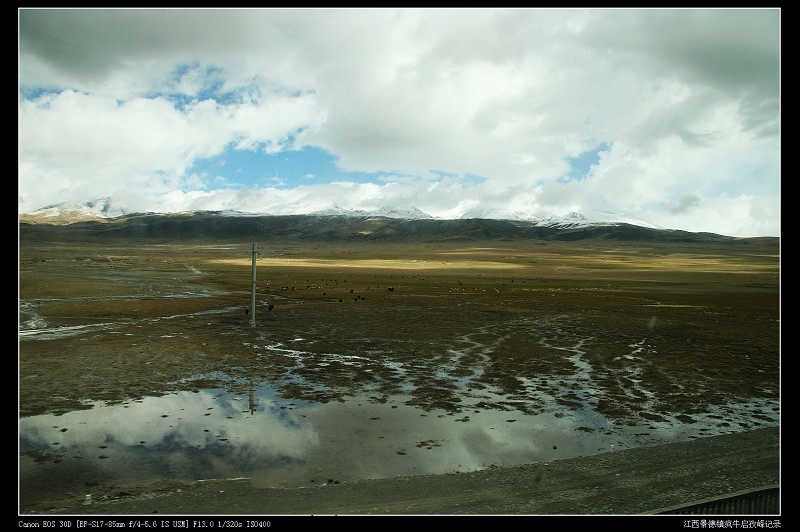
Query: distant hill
(331, 227)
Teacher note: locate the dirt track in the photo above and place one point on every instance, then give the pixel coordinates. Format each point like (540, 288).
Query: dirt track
(635, 481)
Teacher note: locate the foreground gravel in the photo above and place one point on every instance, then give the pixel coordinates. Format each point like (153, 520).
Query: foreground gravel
(634, 481)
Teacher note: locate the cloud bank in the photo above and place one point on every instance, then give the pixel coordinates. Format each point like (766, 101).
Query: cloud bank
(457, 112)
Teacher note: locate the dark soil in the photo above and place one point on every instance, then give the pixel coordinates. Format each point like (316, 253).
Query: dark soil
(665, 330)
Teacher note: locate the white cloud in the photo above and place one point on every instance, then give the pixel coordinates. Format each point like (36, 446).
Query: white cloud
(687, 100)
(77, 146)
(742, 215)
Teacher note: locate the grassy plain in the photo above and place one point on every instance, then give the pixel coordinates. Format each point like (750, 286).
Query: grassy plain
(667, 329)
(636, 333)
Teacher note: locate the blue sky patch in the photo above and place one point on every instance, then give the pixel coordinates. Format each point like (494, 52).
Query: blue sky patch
(291, 168)
(581, 164)
(32, 93)
(284, 169)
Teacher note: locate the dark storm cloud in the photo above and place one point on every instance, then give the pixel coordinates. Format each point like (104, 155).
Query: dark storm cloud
(83, 42)
(734, 51)
(92, 42)
(727, 48)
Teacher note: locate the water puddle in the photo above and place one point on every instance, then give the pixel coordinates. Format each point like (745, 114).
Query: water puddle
(32, 326)
(393, 413)
(254, 433)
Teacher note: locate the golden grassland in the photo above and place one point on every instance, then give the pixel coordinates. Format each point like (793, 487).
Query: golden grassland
(710, 313)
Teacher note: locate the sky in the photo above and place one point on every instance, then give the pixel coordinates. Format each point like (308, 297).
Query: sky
(667, 117)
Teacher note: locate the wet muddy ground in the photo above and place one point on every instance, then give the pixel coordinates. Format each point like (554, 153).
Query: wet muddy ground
(137, 363)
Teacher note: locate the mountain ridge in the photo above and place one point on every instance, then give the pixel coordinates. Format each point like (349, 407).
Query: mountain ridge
(222, 225)
(103, 209)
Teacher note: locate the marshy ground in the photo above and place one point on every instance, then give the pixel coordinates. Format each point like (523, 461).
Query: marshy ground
(137, 363)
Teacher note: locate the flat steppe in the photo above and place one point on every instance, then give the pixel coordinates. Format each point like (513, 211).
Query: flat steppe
(666, 334)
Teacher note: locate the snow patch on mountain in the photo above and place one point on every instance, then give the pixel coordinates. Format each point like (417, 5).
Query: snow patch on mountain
(412, 213)
(67, 212)
(575, 220)
(571, 220)
(104, 208)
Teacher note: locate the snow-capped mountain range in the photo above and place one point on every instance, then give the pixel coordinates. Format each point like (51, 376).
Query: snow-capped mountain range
(99, 208)
(104, 209)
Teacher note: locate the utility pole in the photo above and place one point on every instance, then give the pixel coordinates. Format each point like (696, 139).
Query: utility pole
(252, 397)
(253, 291)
